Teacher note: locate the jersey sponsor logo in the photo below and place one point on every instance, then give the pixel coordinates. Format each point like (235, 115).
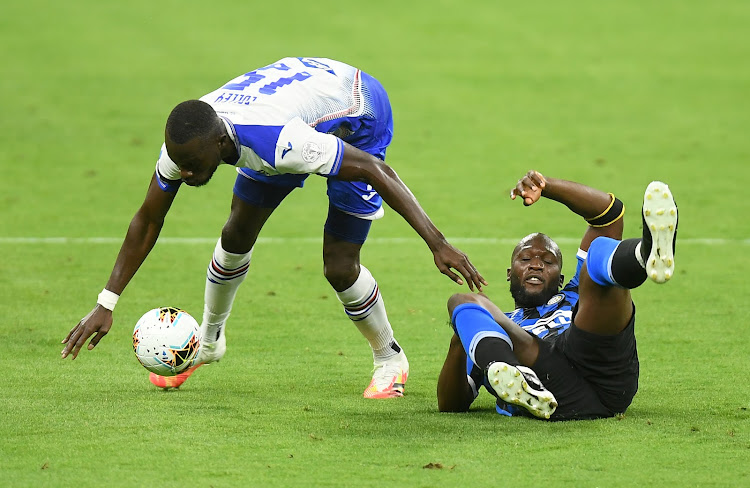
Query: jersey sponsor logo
(560, 319)
(286, 150)
(311, 152)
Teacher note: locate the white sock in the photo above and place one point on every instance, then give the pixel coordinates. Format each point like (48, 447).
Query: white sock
(638, 255)
(365, 307)
(226, 272)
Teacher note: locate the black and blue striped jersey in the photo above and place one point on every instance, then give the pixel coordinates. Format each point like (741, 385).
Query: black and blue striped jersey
(551, 319)
(547, 321)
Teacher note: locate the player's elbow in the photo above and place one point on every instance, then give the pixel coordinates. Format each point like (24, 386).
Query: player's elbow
(377, 173)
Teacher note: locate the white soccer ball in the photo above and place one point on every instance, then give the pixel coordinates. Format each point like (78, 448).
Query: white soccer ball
(166, 340)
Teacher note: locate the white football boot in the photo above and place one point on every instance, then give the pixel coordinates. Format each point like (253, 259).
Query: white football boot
(660, 230)
(388, 378)
(520, 386)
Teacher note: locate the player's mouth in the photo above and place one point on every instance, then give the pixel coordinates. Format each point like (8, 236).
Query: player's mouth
(534, 280)
(196, 181)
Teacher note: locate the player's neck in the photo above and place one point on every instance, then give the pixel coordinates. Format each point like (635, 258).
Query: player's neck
(229, 155)
(228, 150)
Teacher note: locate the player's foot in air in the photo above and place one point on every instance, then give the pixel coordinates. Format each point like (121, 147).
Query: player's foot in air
(389, 378)
(520, 386)
(659, 231)
(210, 352)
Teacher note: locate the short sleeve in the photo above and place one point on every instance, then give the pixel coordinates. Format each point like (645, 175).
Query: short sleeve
(580, 258)
(300, 149)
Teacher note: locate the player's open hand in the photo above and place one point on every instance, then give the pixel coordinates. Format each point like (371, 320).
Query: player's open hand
(529, 187)
(98, 321)
(448, 258)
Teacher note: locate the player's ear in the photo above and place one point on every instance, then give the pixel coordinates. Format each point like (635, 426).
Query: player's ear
(562, 280)
(507, 276)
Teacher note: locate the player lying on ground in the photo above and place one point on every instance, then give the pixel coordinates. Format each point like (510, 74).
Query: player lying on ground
(570, 353)
(277, 125)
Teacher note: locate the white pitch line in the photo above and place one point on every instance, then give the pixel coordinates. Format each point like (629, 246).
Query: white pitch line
(702, 241)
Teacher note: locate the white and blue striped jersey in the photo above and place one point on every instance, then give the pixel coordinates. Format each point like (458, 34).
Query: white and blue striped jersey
(283, 117)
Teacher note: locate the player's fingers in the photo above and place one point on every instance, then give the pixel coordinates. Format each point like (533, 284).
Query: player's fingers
(529, 182)
(537, 178)
(523, 187)
(468, 271)
(99, 335)
(67, 337)
(70, 341)
(481, 279)
(82, 338)
(474, 277)
(446, 270)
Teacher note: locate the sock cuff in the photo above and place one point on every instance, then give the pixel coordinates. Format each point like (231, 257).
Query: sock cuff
(469, 306)
(383, 345)
(229, 260)
(599, 260)
(364, 286)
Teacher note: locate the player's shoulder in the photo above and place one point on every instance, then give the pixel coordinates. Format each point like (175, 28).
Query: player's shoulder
(564, 300)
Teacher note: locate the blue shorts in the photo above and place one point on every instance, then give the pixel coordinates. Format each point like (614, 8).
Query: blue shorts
(371, 132)
(339, 224)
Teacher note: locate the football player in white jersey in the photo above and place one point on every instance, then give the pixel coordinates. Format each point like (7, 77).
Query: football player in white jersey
(277, 125)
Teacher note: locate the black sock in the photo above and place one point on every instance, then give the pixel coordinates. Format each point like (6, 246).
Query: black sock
(491, 350)
(627, 271)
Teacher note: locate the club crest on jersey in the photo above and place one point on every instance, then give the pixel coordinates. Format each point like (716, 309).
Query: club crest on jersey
(556, 299)
(311, 152)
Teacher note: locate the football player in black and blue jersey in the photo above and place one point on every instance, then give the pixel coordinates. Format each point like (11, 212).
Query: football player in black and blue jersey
(568, 350)
(276, 125)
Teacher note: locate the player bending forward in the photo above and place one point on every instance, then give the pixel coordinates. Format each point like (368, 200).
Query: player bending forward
(277, 125)
(570, 353)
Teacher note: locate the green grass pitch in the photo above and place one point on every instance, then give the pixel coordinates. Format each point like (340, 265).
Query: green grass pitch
(613, 94)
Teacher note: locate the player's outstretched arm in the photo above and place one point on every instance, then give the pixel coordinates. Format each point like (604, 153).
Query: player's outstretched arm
(358, 165)
(140, 239)
(593, 205)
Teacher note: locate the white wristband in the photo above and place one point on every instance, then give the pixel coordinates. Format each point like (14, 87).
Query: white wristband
(107, 299)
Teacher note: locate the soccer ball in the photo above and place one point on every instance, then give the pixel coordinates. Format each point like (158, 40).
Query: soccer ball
(166, 340)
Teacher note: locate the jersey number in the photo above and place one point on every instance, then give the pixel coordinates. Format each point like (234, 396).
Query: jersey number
(270, 88)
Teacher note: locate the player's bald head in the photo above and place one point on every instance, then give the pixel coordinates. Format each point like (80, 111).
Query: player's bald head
(544, 239)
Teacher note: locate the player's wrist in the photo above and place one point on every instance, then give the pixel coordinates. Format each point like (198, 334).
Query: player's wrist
(107, 299)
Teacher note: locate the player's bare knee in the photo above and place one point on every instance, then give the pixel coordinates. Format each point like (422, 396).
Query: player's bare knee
(236, 240)
(340, 274)
(461, 298)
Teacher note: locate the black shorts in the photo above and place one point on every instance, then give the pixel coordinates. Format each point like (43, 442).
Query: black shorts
(591, 375)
